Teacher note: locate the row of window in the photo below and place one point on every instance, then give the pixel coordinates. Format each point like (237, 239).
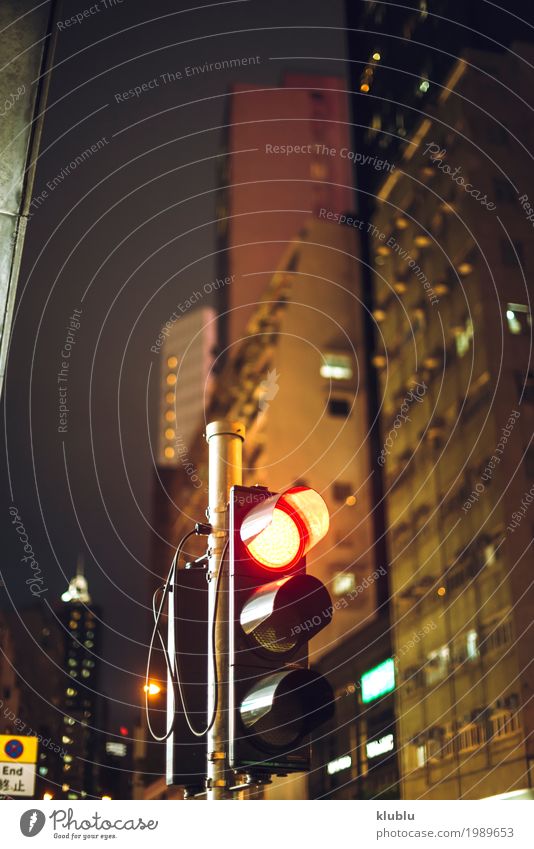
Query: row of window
(445, 742)
(465, 649)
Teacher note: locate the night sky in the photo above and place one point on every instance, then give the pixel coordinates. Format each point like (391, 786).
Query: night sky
(121, 239)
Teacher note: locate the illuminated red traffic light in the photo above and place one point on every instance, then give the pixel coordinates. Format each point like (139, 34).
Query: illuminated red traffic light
(281, 529)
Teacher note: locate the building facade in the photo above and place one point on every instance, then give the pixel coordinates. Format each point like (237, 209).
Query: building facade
(451, 246)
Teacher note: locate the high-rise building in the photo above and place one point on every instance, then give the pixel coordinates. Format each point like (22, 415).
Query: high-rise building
(81, 696)
(451, 245)
(185, 380)
(284, 163)
(401, 56)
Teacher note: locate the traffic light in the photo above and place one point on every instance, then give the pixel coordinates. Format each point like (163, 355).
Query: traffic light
(275, 701)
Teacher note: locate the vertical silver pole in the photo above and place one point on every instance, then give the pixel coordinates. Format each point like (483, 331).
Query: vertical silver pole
(225, 442)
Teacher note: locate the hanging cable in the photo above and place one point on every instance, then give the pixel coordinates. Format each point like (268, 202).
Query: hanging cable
(215, 671)
(157, 616)
(174, 676)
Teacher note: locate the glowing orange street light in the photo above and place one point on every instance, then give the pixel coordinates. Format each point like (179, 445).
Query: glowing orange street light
(47, 796)
(152, 688)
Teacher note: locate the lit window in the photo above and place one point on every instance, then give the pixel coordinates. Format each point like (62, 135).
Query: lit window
(343, 583)
(376, 56)
(66, 739)
(67, 759)
(424, 85)
(420, 755)
(72, 662)
(364, 87)
(172, 362)
(89, 644)
(73, 624)
(489, 554)
(85, 673)
(70, 691)
(463, 338)
(318, 171)
(437, 665)
(471, 639)
(336, 366)
(170, 433)
(169, 452)
(170, 416)
(117, 749)
(170, 397)
(171, 379)
(465, 268)
(423, 241)
(43, 770)
(518, 318)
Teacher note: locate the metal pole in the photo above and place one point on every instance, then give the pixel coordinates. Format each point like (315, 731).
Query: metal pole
(225, 442)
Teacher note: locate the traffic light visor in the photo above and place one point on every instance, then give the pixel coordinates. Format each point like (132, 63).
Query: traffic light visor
(283, 528)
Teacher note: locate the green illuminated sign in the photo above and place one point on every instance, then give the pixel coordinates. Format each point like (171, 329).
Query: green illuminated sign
(378, 681)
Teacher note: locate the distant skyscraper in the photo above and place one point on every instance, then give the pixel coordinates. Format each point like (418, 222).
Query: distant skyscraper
(80, 703)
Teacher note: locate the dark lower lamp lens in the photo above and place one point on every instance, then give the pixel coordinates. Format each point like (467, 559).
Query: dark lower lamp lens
(281, 709)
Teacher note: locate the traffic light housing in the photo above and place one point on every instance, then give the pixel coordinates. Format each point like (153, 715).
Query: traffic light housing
(275, 700)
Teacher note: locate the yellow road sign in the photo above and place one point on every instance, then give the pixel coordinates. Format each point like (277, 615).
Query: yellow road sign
(18, 750)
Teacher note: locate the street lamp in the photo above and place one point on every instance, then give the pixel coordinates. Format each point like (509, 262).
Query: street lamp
(152, 688)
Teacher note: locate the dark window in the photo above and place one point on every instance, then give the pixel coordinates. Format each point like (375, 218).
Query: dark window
(525, 386)
(496, 134)
(504, 191)
(341, 490)
(529, 461)
(338, 407)
(511, 252)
